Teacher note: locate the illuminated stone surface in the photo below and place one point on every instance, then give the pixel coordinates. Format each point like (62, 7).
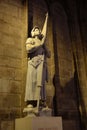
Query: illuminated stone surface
(39, 123)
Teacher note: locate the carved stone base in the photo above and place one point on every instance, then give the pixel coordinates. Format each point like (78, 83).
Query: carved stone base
(39, 123)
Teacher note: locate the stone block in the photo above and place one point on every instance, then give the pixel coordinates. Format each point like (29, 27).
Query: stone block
(10, 29)
(39, 123)
(4, 85)
(11, 9)
(15, 86)
(14, 62)
(18, 74)
(10, 86)
(10, 100)
(8, 39)
(6, 73)
(15, 2)
(12, 53)
(18, 22)
(7, 125)
(1, 16)
(1, 50)
(10, 113)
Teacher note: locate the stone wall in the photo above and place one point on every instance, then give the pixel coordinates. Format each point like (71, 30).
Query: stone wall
(66, 91)
(13, 32)
(78, 20)
(82, 58)
(66, 38)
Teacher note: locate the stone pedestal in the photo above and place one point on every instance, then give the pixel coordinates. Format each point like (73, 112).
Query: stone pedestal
(38, 123)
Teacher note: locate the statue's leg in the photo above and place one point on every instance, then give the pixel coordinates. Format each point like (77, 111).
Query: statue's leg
(30, 83)
(38, 97)
(43, 88)
(43, 96)
(39, 82)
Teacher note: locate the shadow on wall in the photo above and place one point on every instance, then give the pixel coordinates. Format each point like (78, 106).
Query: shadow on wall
(81, 104)
(69, 98)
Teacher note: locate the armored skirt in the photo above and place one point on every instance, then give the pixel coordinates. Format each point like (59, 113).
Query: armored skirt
(36, 77)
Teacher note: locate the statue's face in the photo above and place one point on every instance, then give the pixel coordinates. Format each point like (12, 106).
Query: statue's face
(36, 32)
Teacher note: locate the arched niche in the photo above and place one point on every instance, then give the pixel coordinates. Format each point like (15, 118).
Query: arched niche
(36, 15)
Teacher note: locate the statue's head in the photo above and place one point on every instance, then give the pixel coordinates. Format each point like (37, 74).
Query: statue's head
(36, 31)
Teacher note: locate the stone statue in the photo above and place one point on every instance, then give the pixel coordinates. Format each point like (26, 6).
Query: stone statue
(37, 73)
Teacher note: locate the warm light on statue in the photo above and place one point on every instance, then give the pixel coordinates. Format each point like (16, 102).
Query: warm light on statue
(37, 68)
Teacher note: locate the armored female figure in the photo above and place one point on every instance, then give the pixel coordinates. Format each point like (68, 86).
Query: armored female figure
(37, 66)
